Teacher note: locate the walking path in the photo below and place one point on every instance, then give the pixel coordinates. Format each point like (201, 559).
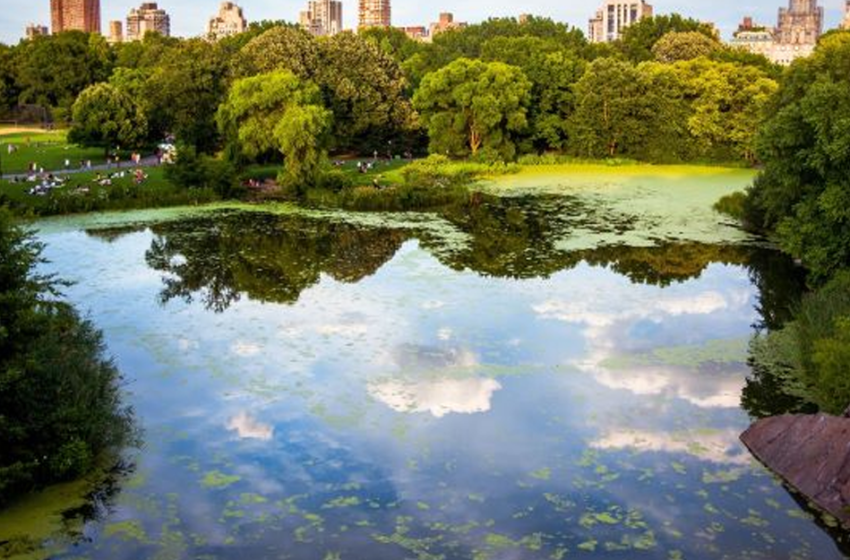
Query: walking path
(149, 161)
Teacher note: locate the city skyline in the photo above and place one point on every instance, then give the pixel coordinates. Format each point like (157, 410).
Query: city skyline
(190, 18)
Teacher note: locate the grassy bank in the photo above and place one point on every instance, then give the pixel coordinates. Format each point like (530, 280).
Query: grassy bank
(47, 149)
(81, 193)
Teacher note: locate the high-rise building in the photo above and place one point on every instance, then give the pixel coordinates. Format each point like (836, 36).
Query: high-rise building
(148, 18)
(34, 30)
(846, 23)
(801, 23)
(80, 15)
(374, 13)
(229, 21)
(322, 17)
(116, 32)
(446, 22)
(614, 17)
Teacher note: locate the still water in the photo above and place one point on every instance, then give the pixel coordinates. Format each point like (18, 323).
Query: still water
(338, 386)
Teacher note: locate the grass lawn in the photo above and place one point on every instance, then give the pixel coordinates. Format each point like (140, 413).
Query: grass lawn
(47, 149)
(82, 193)
(387, 173)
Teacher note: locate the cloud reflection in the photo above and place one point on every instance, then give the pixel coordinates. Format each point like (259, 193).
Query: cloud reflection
(439, 397)
(248, 427)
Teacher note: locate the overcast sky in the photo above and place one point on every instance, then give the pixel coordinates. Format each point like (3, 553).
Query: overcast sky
(189, 17)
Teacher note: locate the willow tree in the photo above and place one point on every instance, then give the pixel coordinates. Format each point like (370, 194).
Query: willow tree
(471, 107)
(278, 112)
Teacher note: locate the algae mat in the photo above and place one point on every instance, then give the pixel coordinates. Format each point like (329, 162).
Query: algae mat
(635, 205)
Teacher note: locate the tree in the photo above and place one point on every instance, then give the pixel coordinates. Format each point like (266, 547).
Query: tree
(183, 93)
(804, 144)
(60, 397)
(278, 112)
(727, 104)
(53, 70)
(640, 37)
(612, 112)
(105, 117)
(553, 72)
(471, 106)
(366, 91)
(684, 45)
(279, 48)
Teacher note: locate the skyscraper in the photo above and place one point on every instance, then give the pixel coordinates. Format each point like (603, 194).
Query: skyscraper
(34, 30)
(148, 18)
(81, 15)
(374, 13)
(229, 21)
(801, 23)
(322, 17)
(116, 32)
(614, 17)
(846, 23)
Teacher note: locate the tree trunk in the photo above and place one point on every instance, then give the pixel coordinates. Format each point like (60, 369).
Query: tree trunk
(474, 140)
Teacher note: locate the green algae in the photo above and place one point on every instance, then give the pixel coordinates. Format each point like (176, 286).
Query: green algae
(29, 524)
(216, 480)
(127, 530)
(723, 351)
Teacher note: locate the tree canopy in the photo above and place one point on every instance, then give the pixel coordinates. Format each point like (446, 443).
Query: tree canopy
(472, 106)
(107, 118)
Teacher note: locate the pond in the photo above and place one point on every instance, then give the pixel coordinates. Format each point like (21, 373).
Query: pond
(473, 384)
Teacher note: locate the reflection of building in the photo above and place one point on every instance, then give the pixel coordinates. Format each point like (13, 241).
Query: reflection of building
(80, 15)
(374, 13)
(34, 31)
(798, 30)
(322, 17)
(229, 21)
(116, 32)
(614, 17)
(846, 23)
(148, 18)
(446, 22)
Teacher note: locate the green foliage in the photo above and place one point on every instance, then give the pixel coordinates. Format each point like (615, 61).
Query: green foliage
(684, 45)
(105, 117)
(184, 91)
(278, 112)
(360, 83)
(53, 70)
(640, 38)
(553, 71)
(438, 171)
(623, 111)
(473, 108)
(802, 192)
(194, 171)
(60, 398)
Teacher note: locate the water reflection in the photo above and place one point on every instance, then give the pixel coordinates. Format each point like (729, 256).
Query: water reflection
(273, 258)
(397, 391)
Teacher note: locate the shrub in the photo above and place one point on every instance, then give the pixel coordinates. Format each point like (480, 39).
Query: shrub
(193, 171)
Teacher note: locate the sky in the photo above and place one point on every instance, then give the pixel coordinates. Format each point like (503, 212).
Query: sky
(189, 18)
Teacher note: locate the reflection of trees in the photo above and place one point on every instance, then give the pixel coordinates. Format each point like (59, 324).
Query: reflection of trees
(267, 257)
(517, 238)
(111, 234)
(781, 285)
